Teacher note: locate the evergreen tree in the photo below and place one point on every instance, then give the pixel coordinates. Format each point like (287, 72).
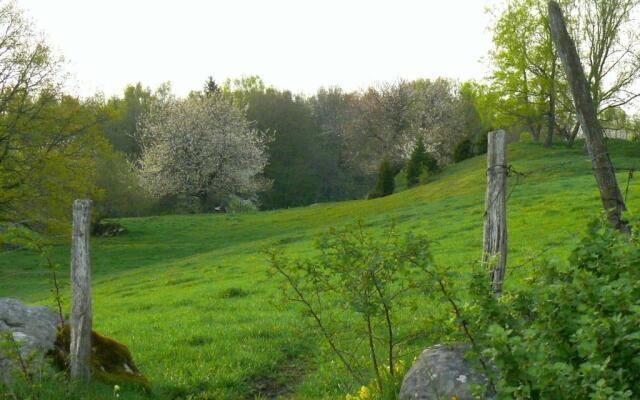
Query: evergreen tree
(418, 161)
(211, 87)
(386, 182)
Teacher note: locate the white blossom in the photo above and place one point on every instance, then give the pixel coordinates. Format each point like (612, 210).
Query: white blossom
(199, 146)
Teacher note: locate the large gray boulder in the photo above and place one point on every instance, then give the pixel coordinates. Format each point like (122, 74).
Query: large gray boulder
(31, 329)
(442, 372)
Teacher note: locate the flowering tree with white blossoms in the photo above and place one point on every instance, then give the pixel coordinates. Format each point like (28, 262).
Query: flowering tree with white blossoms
(200, 146)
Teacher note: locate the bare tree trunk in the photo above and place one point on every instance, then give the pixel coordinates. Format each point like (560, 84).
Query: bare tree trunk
(81, 316)
(495, 215)
(587, 116)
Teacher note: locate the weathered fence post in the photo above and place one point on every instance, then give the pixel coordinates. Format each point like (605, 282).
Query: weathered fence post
(586, 111)
(81, 316)
(495, 214)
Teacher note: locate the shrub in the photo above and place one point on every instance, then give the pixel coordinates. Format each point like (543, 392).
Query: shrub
(354, 291)
(239, 205)
(463, 150)
(568, 332)
(386, 180)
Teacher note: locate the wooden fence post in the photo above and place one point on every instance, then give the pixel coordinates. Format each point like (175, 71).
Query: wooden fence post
(495, 215)
(586, 111)
(81, 316)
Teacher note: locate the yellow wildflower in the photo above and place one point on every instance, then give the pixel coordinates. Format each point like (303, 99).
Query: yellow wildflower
(364, 393)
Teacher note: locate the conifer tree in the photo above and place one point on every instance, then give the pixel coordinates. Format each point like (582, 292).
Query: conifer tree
(386, 183)
(417, 162)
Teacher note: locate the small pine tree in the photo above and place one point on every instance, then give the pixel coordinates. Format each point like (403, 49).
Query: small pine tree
(386, 182)
(211, 87)
(418, 162)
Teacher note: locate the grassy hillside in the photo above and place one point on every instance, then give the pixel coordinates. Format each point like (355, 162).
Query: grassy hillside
(191, 297)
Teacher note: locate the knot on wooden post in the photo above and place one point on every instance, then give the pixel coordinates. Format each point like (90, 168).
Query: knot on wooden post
(495, 215)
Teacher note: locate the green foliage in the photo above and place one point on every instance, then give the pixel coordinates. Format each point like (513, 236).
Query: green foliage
(123, 195)
(568, 332)
(291, 168)
(236, 204)
(310, 157)
(525, 137)
(481, 143)
(119, 118)
(356, 288)
(463, 150)
(385, 184)
(50, 163)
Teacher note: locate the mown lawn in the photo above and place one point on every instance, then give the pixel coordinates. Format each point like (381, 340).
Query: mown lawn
(191, 297)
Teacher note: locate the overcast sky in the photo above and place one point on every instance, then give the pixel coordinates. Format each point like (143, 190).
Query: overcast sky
(294, 44)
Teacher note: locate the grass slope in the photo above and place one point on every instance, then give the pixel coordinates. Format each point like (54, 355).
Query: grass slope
(190, 296)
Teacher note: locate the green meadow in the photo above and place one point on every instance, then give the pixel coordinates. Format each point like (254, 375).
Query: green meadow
(191, 297)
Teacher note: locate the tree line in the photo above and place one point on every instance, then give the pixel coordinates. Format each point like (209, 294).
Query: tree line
(241, 144)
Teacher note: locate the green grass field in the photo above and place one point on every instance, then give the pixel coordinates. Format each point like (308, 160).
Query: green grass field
(191, 297)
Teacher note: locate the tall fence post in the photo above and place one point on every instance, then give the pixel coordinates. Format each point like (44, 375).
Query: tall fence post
(81, 316)
(495, 215)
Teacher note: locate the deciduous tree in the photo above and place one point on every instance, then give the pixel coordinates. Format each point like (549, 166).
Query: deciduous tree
(200, 147)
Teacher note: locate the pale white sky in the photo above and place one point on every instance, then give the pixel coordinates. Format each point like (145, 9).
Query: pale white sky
(292, 44)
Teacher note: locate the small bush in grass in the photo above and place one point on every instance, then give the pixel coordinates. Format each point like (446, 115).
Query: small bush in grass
(354, 292)
(238, 205)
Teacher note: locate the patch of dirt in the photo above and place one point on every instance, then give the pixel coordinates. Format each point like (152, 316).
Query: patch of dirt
(280, 382)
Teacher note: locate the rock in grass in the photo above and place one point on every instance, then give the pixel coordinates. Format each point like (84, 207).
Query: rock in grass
(27, 333)
(111, 361)
(442, 372)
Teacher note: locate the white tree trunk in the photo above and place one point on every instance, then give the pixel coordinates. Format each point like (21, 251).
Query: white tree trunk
(495, 216)
(81, 317)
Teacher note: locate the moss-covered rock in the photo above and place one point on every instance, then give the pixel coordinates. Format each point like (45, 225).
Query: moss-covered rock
(111, 361)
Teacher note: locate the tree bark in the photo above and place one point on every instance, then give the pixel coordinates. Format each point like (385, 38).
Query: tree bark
(495, 216)
(602, 167)
(81, 316)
